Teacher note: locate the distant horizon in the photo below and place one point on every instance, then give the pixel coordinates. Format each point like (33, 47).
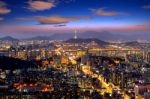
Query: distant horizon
(92, 35)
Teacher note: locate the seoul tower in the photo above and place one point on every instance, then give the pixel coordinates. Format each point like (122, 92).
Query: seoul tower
(75, 34)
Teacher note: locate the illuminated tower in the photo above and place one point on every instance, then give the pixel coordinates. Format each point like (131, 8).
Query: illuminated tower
(75, 34)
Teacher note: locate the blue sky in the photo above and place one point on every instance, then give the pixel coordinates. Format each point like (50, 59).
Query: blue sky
(30, 17)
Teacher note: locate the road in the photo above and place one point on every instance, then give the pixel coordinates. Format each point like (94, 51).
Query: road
(109, 86)
(86, 69)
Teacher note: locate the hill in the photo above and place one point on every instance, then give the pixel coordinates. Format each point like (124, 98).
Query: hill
(8, 63)
(88, 40)
(8, 38)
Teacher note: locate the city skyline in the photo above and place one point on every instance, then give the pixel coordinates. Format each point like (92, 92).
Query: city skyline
(27, 18)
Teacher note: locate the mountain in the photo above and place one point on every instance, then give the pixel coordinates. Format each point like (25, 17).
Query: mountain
(40, 38)
(88, 40)
(104, 35)
(140, 36)
(90, 34)
(57, 36)
(131, 43)
(135, 44)
(8, 38)
(62, 36)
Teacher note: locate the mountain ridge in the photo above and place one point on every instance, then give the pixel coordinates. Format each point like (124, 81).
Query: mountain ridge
(104, 35)
(8, 38)
(88, 40)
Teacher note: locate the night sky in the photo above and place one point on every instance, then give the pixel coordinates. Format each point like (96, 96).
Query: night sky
(28, 18)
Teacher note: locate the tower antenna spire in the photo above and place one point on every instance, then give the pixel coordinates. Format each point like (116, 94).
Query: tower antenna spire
(75, 34)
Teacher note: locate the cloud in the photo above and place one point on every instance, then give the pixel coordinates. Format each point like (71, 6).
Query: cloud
(54, 19)
(107, 13)
(60, 25)
(40, 5)
(146, 7)
(1, 18)
(3, 8)
(4, 11)
(2, 4)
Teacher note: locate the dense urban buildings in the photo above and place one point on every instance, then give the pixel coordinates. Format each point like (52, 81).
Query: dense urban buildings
(75, 68)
